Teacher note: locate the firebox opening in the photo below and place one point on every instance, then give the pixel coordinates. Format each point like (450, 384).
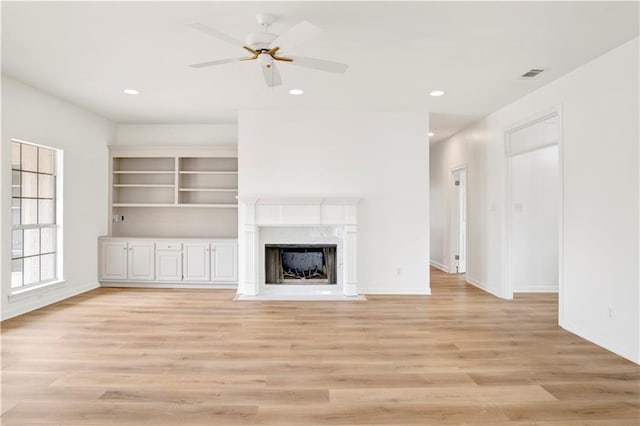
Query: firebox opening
(300, 264)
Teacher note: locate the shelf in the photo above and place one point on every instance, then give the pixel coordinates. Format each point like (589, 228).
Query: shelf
(141, 185)
(209, 189)
(217, 172)
(220, 206)
(144, 172)
(144, 205)
(183, 205)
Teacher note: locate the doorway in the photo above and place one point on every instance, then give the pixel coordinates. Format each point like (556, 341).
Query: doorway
(533, 207)
(458, 250)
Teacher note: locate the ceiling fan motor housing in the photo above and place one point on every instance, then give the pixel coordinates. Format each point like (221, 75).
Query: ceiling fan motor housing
(260, 40)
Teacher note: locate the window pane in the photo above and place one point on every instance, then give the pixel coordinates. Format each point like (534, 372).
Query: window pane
(15, 211)
(45, 212)
(31, 242)
(45, 162)
(47, 267)
(29, 212)
(16, 273)
(29, 158)
(15, 155)
(15, 184)
(45, 186)
(48, 240)
(29, 184)
(16, 243)
(31, 270)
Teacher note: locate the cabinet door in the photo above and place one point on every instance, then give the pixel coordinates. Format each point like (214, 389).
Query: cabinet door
(196, 262)
(141, 261)
(224, 261)
(113, 262)
(168, 265)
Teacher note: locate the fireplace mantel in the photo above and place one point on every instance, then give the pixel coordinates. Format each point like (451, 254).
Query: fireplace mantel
(259, 212)
(299, 211)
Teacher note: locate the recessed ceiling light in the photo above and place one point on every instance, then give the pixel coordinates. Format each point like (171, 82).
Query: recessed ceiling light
(437, 93)
(296, 91)
(131, 91)
(431, 134)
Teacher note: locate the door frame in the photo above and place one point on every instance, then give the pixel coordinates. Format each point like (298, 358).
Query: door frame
(507, 288)
(453, 218)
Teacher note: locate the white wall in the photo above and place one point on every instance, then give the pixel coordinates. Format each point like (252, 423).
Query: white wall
(534, 204)
(599, 163)
(34, 116)
(381, 157)
(176, 134)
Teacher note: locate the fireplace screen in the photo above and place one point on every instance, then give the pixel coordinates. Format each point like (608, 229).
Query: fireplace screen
(300, 264)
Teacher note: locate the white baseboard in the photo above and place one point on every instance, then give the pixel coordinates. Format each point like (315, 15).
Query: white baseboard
(482, 286)
(232, 286)
(602, 341)
(536, 289)
(438, 265)
(39, 298)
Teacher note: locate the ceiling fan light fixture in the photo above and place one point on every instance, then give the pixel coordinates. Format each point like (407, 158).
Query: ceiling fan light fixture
(436, 93)
(296, 92)
(265, 60)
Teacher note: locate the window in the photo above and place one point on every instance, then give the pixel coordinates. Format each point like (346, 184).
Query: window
(33, 208)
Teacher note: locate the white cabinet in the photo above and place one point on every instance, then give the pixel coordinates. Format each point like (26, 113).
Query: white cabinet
(224, 260)
(141, 260)
(196, 261)
(113, 262)
(169, 261)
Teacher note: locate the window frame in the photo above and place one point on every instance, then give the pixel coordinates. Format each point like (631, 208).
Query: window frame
(54, 224)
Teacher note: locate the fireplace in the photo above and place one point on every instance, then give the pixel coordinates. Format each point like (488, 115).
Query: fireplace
(288, 223)
(297, 264)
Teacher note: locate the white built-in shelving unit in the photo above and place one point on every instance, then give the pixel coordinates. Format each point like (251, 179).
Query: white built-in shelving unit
(174, 191)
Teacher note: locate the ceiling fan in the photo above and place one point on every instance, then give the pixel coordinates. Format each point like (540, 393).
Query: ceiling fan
(265, 48)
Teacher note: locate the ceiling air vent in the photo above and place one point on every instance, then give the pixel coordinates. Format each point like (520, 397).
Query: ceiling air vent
(531, 73)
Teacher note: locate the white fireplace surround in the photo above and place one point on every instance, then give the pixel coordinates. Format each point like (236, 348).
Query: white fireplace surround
(297, 220)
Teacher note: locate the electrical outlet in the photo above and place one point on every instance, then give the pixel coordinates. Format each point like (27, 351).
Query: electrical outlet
(398, 271)
(610, 313)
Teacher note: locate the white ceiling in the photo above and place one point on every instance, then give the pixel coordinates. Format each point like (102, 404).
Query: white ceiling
(88, 52)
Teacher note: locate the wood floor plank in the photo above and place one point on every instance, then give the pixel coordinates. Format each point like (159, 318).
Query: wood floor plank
(196, 357)
(378, 414)
(450, 395)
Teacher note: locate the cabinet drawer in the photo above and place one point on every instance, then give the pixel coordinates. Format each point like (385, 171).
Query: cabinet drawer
(169, 245)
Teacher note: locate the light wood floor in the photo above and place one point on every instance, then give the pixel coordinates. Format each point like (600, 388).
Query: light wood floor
(195, 357)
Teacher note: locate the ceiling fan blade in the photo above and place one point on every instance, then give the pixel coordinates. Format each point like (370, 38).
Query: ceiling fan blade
(319, 64)
(212, 63)
(271, 75)
(296, 35)
(215, 33)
